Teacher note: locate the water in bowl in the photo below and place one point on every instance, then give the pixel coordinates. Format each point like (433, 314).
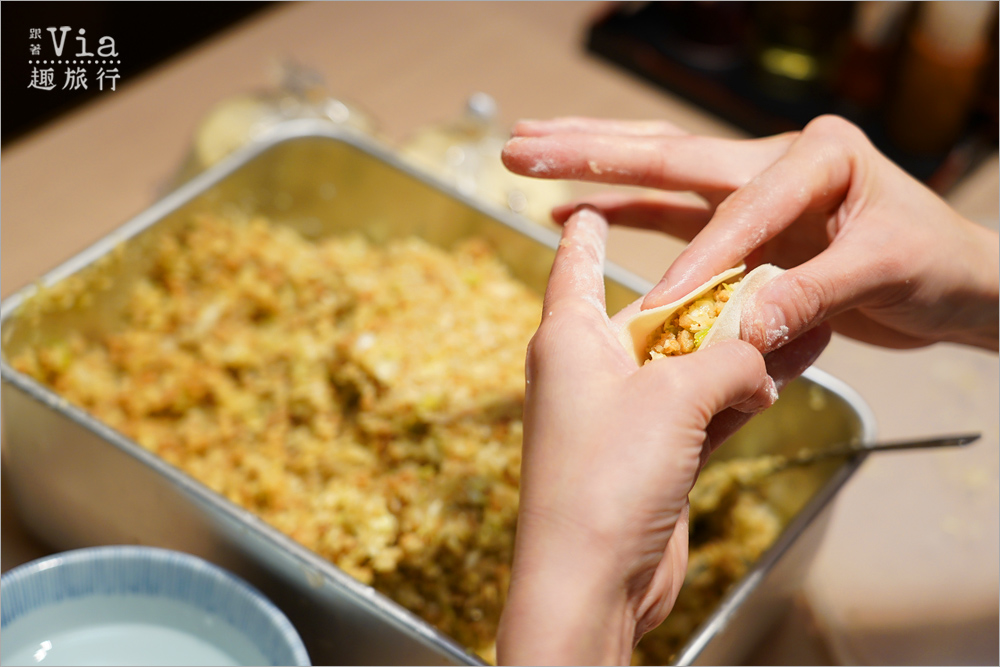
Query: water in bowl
(125, 630)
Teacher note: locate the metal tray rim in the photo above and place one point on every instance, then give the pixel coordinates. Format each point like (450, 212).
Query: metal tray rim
(799, 523)
(289, 131)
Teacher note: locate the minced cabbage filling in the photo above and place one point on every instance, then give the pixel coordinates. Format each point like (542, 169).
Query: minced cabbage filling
(684, 331)
(366, 400)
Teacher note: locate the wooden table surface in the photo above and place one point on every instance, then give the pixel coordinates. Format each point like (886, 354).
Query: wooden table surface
(908, 570)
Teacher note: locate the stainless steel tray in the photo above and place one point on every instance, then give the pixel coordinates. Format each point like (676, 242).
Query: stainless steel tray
(76, 482)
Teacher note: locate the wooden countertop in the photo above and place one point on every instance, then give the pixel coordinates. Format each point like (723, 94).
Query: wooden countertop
(908, 570)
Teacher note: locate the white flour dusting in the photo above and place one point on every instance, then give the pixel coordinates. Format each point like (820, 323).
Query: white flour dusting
(777, 335)
(541, 167)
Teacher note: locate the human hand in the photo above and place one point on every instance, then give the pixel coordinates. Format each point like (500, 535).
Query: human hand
(868, 248)
(611, 451)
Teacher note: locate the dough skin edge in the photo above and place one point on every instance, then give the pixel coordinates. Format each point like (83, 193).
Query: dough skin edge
(727, 324)
(636, 329)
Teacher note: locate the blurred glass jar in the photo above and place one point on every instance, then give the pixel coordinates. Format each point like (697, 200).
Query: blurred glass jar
(239, 120)
(796, 45)
(466, 153)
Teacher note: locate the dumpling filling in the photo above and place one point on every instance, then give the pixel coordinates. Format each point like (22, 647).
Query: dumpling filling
(684, 331)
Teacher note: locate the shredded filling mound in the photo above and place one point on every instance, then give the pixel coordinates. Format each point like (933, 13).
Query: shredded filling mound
(365, 400)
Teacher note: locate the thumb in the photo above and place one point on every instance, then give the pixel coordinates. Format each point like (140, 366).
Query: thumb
(803, 297)
(729, 374)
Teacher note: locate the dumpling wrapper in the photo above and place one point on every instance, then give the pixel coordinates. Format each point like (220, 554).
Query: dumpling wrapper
(636, 330)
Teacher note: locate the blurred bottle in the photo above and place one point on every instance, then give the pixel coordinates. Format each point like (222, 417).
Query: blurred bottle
(298, 93)
(863, 75)
(988, 106)
(940, 73)
(796, 46)
(466, 153)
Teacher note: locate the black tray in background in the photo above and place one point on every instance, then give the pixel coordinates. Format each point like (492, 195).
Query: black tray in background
(638, 40)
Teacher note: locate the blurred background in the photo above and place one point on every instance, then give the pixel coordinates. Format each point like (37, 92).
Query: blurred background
(919, 77)
(908, 571)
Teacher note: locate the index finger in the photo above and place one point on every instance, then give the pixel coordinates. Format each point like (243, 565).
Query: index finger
(815, 172)
(583, 125)
(698, 164)
(577, 276)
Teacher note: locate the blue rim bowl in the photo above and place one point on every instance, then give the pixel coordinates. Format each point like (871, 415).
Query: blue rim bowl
(149, 572)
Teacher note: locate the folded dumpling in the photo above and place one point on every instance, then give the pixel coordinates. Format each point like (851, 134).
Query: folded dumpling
(707, 314)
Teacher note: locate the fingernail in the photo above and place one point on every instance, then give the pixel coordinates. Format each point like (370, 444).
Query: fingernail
(661, 296)
(768, 328)
(772, 390)
(668, 290)
(760, 403)
(586, 214)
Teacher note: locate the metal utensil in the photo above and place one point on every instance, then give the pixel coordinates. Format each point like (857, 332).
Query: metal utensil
(717, 481)
(771, 464)
(808, 457)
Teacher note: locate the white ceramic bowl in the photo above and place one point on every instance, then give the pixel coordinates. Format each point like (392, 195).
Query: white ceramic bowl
(130, 605)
